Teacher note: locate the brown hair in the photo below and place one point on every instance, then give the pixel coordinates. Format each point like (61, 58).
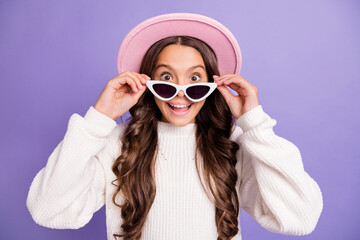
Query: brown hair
(135, 167)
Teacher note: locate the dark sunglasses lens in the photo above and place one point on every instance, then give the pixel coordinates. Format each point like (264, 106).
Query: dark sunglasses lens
(197, 92)
(164, 90)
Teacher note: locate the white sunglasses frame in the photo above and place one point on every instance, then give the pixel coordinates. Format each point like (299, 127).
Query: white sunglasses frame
(150, 84)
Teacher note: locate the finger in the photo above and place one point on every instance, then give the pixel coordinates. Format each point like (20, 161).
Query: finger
(142, 77)
(131, 83)
(131, 75)
(137, 95)
(244, 92)
(216, 78)
(223, 81)
(222, 77)
(229, 97)
(227, 81)
(146, 77)
(128, 79)
(235, 87)
(225, 75)
(244, 82)
(226, 93)
(231, 90)
(236, 81)
(137, 78)
(234, 76)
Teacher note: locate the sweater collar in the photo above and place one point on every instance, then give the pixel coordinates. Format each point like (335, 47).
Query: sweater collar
(165, 128)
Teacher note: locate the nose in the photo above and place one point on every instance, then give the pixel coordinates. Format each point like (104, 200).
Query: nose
(181, 93)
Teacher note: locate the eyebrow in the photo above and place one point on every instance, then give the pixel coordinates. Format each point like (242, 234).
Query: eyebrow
(169, 67)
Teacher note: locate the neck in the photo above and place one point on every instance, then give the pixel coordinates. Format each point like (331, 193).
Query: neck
(166, 128)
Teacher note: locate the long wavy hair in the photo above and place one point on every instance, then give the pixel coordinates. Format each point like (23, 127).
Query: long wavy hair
(215, 152)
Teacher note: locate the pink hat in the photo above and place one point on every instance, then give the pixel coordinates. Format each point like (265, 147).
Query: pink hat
(216, 35)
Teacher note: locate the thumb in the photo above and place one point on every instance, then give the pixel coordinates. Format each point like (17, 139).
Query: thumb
(225, 92)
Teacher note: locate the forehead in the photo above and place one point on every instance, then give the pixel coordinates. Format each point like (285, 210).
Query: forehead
(180, 56)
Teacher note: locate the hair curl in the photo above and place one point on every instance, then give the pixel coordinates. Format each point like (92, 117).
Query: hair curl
(215, 152)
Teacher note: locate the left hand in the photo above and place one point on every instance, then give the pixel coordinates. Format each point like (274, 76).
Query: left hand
(247, 93)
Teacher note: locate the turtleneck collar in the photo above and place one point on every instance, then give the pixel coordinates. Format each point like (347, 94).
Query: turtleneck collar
(165, 128)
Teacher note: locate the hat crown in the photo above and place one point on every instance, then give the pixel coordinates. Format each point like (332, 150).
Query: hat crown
(216, 35)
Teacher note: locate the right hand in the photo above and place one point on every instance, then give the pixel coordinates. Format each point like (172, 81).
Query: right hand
(116, 98)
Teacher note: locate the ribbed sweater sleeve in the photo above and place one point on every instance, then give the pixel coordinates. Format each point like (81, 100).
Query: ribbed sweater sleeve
(274, 187)
(71, 187)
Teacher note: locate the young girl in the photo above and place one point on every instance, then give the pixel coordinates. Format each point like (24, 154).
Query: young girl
(180, 168)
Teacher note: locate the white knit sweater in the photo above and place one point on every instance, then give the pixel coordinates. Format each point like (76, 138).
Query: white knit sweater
(272, 185)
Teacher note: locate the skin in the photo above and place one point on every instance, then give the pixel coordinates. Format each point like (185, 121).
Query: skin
(246, 99)
(123, 91)
(180, 65)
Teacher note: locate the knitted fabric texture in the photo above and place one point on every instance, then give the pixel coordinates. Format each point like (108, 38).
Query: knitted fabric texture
(272, 185)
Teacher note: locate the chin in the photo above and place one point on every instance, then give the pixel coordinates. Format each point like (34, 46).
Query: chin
(178, 122)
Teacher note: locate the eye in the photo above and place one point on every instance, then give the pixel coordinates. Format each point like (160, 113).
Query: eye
(166, 76)
(195, 78)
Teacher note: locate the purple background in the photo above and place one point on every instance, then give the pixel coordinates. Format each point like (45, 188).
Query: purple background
(303, 56)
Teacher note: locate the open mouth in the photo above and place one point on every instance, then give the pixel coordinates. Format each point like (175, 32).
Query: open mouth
(180, 109)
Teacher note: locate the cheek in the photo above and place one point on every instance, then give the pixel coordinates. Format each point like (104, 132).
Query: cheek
(198, 106)
(161, 104)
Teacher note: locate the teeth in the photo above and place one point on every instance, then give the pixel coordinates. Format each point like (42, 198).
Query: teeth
(180, 106)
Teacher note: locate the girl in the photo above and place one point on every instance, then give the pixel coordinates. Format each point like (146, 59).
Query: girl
(180, 168)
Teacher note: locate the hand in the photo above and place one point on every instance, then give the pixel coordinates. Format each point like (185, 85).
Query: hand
(247, 93)
(121, 93)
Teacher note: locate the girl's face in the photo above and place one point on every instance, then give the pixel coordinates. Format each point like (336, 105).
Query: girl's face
(180, 65)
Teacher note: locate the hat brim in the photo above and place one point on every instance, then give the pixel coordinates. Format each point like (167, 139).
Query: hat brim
(217, 36)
